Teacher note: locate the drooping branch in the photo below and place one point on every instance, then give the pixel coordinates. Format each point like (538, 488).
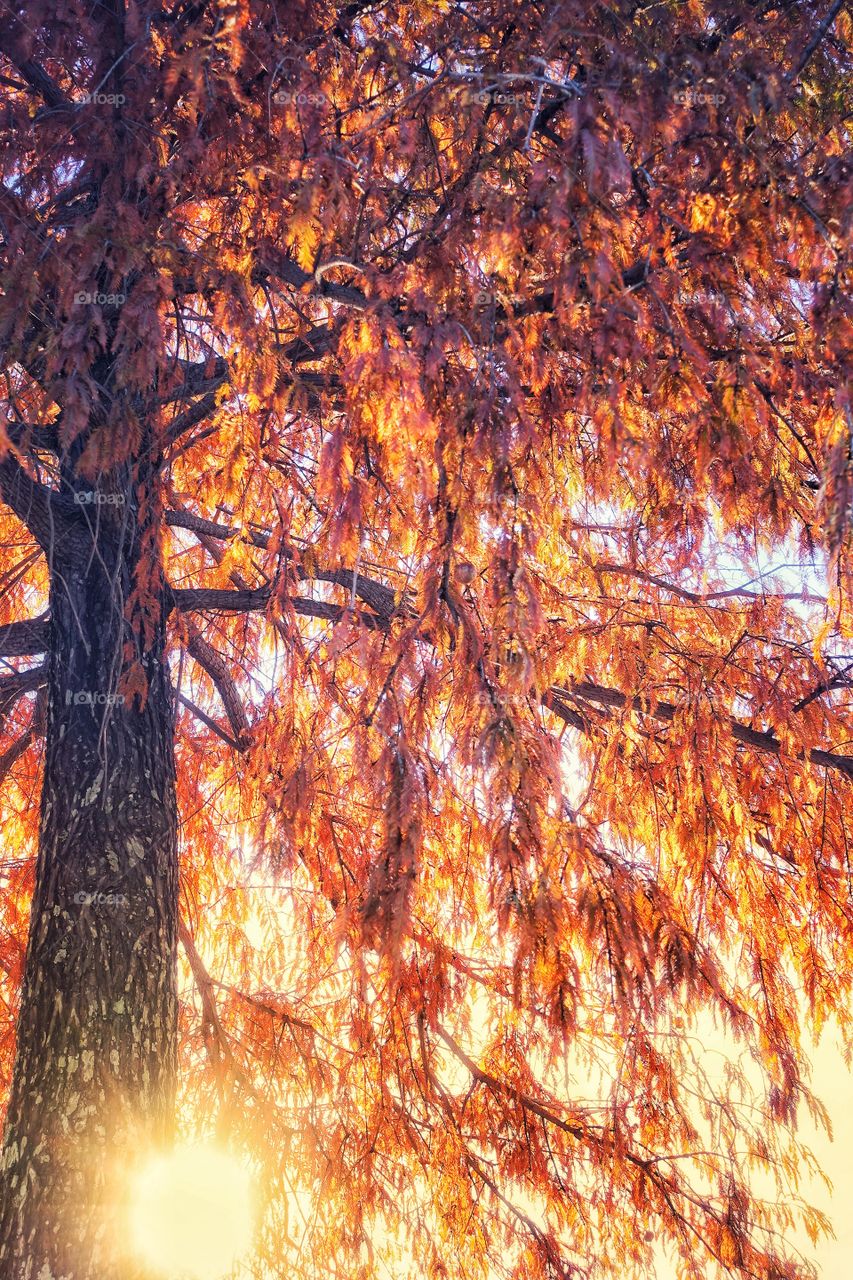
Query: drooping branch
(214, 1034)
(210, 1012)
(545, 1242)
(558, 1266)
(598, 1140)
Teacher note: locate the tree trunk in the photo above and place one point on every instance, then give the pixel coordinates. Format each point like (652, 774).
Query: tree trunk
(94, 1075)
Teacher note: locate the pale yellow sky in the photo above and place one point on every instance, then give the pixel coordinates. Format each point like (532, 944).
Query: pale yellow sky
(833, 1084)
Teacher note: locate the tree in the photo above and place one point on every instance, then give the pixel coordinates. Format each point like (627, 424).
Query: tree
(426, 479)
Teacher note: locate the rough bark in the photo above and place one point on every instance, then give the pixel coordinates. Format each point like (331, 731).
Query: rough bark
(94, 1075)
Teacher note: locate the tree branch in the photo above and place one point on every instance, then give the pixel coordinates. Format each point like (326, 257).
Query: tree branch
(16, 684)
(191, 417)
(210, 528)
(36, 506)
(601, 1140)
(223, 1056)
(814, 42)
(586, 691)
(275, 262)
(335, 612)
(699, 597)
(211, 723)
(222, 600)
(556, 699)
(219, 600)
(375, 594)
(13, 43)
(36, 435)
(19, 639)
(215, 666)
(34, 729)
(12, 754)
(199, 377)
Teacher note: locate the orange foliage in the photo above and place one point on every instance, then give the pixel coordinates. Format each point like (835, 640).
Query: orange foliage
(494, 358)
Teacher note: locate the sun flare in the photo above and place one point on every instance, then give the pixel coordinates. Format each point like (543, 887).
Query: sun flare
(191, 1213)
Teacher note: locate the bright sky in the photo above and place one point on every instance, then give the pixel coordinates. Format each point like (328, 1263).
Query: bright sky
(833, 1084)
(831, 1081)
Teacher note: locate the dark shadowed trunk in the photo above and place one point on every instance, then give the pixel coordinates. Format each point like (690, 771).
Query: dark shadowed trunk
(95, 1070)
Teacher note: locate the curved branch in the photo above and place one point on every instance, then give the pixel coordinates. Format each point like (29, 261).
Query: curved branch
(216, 667)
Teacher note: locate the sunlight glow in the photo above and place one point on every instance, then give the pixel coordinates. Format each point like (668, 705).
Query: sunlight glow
(191, 1213)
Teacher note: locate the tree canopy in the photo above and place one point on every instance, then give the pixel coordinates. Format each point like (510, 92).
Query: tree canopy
(473, 376)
